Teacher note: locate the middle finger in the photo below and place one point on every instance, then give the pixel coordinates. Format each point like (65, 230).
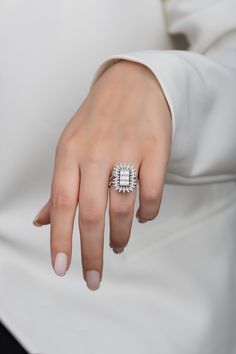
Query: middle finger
(121, 211)
(92, 207)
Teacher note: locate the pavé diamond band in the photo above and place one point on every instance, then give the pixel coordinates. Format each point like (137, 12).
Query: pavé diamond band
(123, 178)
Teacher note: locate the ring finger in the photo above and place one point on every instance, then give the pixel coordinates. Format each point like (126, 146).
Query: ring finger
(121, 211)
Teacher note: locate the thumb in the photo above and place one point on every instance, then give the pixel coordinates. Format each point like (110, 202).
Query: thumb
(43, 217)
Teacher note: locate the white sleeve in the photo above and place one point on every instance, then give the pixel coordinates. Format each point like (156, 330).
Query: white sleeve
(200, 88)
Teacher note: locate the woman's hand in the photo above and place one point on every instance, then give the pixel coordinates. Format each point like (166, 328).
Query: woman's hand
(124, 118)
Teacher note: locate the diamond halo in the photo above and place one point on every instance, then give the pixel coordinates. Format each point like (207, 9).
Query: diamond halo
(123, 178)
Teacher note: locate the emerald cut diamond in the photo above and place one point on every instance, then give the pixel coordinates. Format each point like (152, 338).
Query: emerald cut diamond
(123, 178)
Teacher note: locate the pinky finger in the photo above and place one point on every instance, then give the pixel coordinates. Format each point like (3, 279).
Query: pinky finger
(43, 217)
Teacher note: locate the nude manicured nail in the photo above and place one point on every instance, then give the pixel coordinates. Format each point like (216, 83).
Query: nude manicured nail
(142, 220)
(118, 250)
(93, 279)
(35, 221)
(60, 265)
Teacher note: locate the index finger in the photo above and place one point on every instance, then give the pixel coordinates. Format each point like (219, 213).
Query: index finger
(64, 200)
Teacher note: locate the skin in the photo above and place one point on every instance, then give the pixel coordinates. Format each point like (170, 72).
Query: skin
(124, 118)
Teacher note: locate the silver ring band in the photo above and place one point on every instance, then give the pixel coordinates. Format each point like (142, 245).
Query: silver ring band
(123, 178)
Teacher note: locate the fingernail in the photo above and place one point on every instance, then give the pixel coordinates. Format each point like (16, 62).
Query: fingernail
(60, 265)
(142, 220)
(118, 250)
(35, 221)
(93, 279)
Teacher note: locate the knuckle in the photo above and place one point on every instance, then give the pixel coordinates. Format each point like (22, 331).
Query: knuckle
(151, 141)
(65, 147)
(94, 153)
(122, 209)
(91, 214)
(128, 138)
(151, 196)
(61, 199)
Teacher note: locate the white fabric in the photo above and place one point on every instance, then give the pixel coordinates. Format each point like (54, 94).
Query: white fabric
(173, 290)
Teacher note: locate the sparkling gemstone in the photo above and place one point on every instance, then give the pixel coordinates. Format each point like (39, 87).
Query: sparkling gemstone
(124, 177)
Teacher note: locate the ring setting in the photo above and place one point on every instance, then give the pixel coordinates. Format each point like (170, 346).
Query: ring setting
(123, 178)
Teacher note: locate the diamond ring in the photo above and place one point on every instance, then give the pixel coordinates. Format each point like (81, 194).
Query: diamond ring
(123, 178)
